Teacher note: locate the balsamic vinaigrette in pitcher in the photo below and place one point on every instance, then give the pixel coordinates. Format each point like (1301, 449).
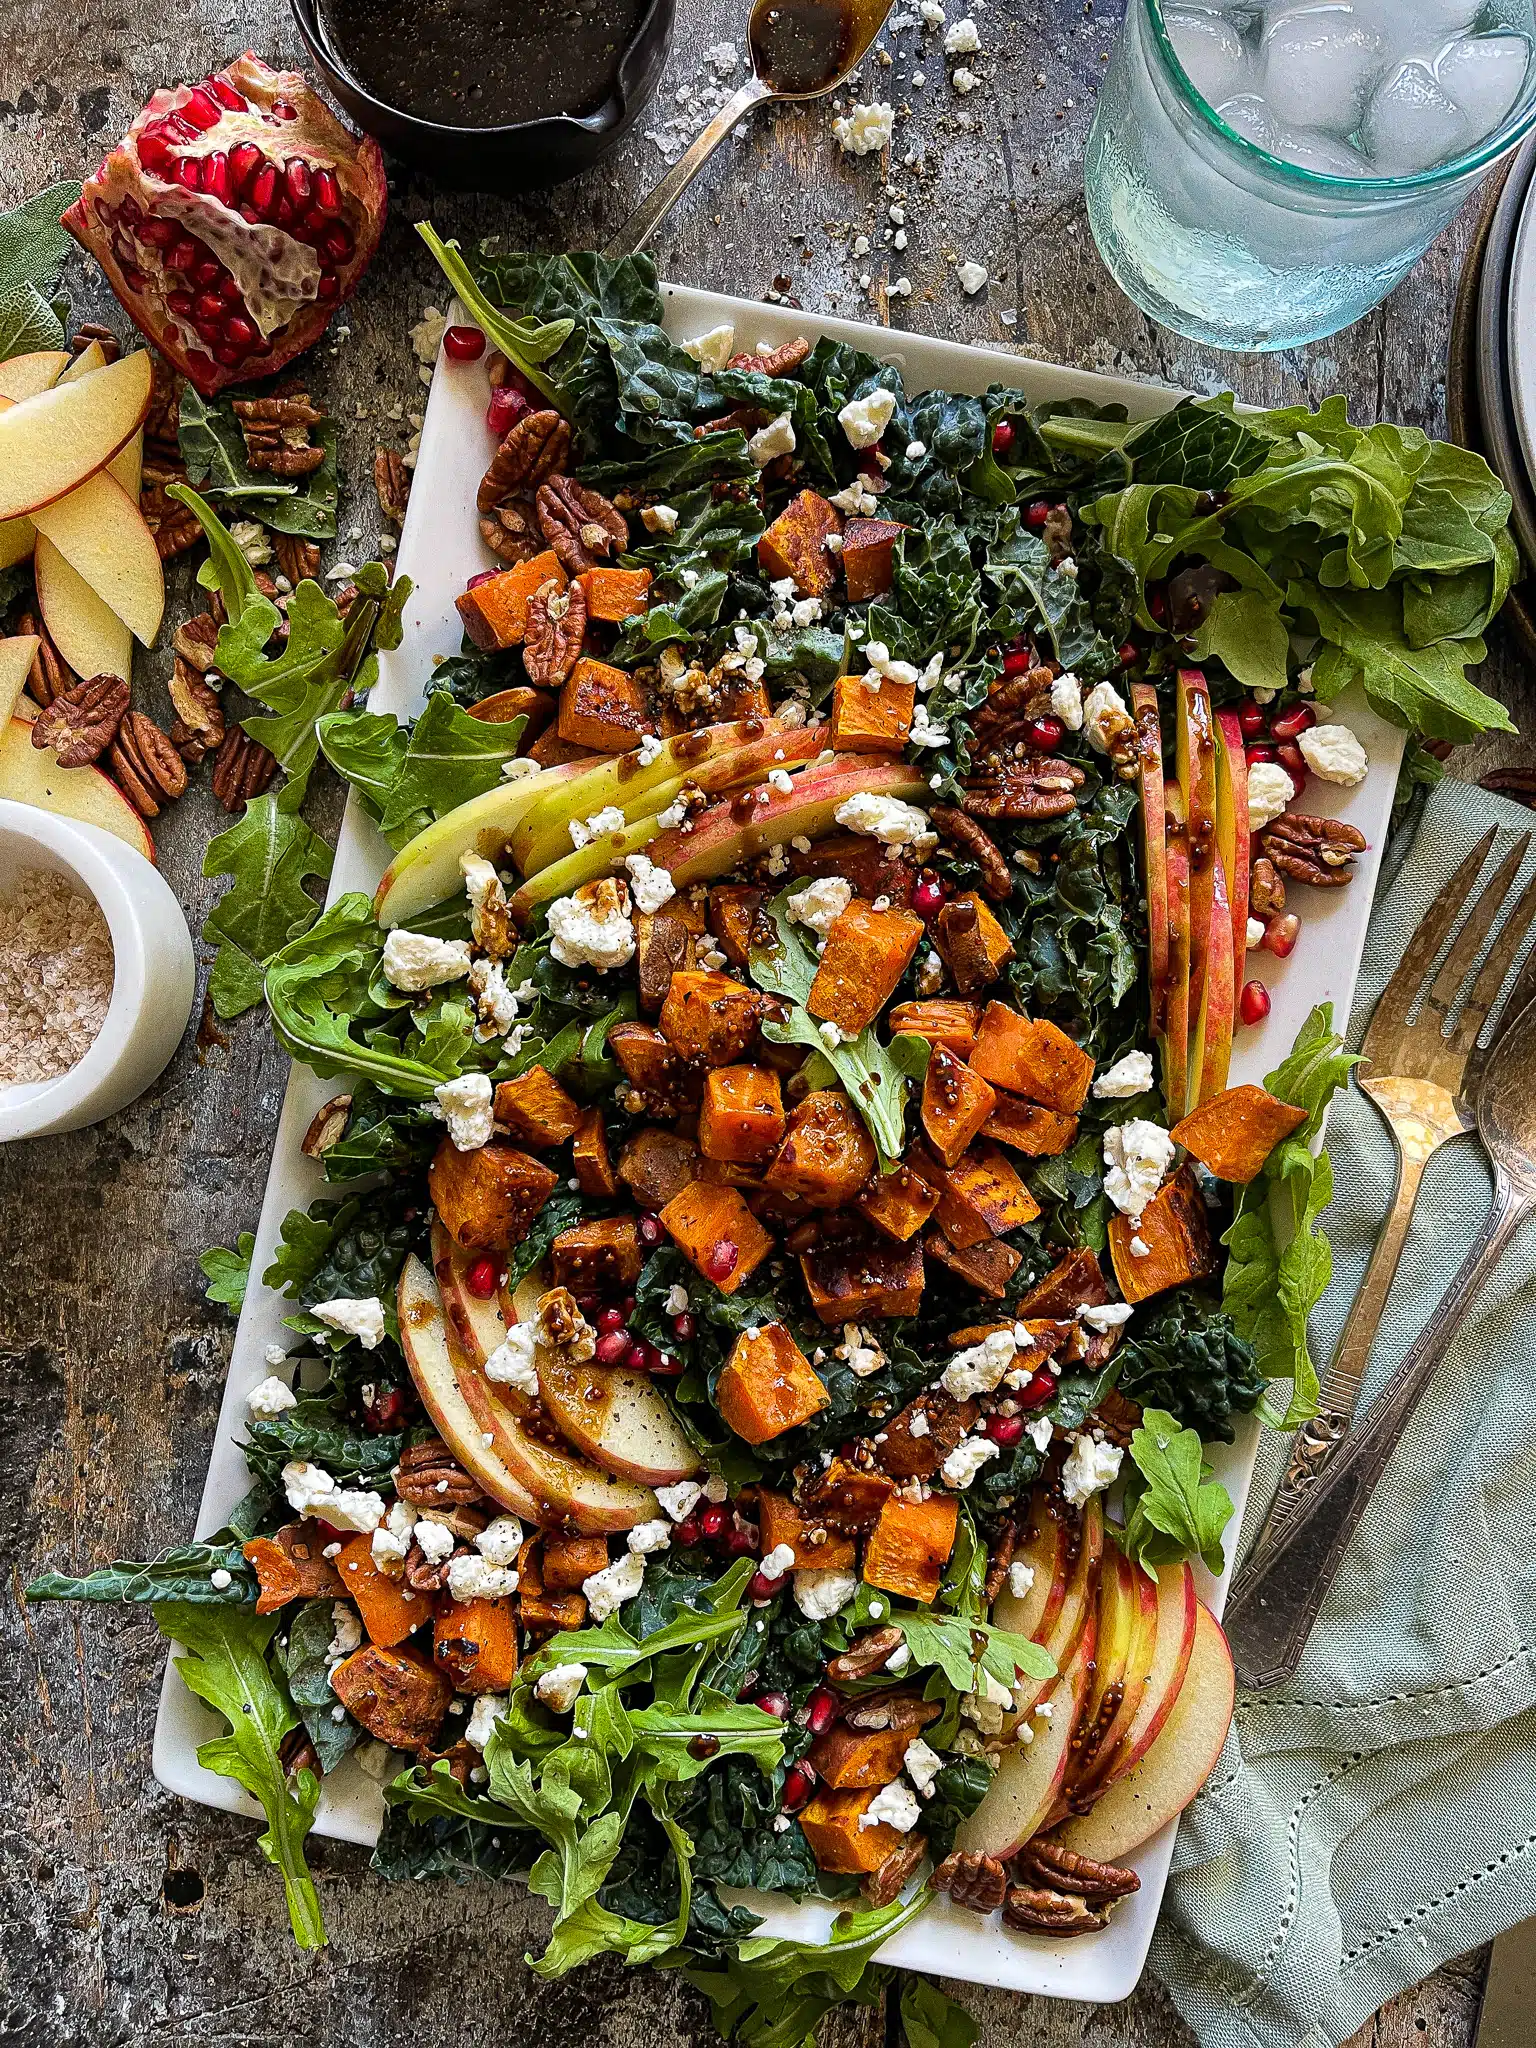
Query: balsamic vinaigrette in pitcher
(483, 63)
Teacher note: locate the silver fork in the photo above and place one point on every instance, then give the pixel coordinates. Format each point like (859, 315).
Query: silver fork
(1421, 1077)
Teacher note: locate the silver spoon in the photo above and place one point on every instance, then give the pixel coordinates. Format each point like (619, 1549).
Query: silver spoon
(800, 49)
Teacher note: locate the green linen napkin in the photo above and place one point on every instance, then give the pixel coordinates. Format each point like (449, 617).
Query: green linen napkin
(1377, 1815)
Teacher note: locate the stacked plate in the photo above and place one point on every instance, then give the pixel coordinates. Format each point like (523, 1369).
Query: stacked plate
(1491, 385)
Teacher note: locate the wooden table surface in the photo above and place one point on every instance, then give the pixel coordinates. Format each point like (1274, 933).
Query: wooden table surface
(130, 1916)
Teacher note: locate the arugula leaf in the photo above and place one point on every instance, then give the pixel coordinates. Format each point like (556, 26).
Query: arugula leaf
(963, 1646)
(930, 2018)
(1424, 688)
(270, 853)
(182, 1573)
(449, 758)
(367, 750)
(228, 1273)
(1174, 1509)
(226, 1665)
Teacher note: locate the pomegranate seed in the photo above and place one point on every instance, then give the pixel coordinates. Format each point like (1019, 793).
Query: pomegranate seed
(386, 1411)
(1258, 754)
(654, 1360)
(160, 234)
(649, 1226)
(821, 1710)
(1046, 732)
(1002, 437)
(667, 1367)
(712, 1521)
(1005, 1429)
(1289, 755)
(928, 898)
(1281, 933)
(284, 110)
(1253, 1003)
(760, 1587)
(775, 1703)
(176, 129)
(230, 287)
(201, 109)
(484, 576)
(612, 1346)
(328, 286)
(1128, 653)
(463, 344)
(798, 1787)
(1157, 605)
(327, 196)
(131, 210)
(480, 1278)
(248, 213)
(686, 1532)
(189, 173)
(210, 331)
(628, 1306)
(722, 1262)
(684, 1327)
(1290, 725)
(1037, 514)
(245, 159)
(1252, 721)
(611, 1319)
(226, 95)
(1298, 779)
(180, 304)
(743, 1541)
(1017, 661)
(634, 1356)
(336, 243)
(300, 184)
(216, 179)
(283, 214)
(506, 408)
(262, 187)
(587, 1303)
(1039, 1390)
(207, 271)
(154, 154)
(133, 277)
(208, 306)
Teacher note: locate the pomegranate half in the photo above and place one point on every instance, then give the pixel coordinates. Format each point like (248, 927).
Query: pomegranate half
(232, 220)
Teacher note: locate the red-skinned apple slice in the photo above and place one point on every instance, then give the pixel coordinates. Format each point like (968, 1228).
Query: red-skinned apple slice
(1173, 1638)
(31, 775)
(1079, 1606)
(1232, 833)
(1154, 844)
(1174, 1767)
(1140, 1592)
(84, 627)
(101, 533)
(1032, 1773)
(51, 442)
(1211, 1052)
(425, 872)
(1196, 750)
(15, 666)
(1175, 1042)
(1044, 1550)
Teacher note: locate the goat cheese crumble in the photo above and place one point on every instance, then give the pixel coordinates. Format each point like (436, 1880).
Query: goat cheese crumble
(500, 1541)
(865, 128)
(610, 1588)
(679, 1501)
(1270, 789)
(584, 830)
(1067, 701)
(646, 1537)
(311, 1490)
(560, 1685)
(362, 1319)
(922, 1764)
(966, 1460)
(777, 438)
(895, 1805)
(821, 1594)
(1334, 754)
(465, 1106)
(714, 350)
(1129, 1076)
(1137, 1155)
(865, 419)
(970, 275)
(821, 902)
(511, 1364)
(887, 819)
(1090, 1467)
(649, 885)
(415, 960)
(1105, 718)
(270, 1398)
(488, 1709)
(475, 1578)
(591, 927)
(1021, 1577)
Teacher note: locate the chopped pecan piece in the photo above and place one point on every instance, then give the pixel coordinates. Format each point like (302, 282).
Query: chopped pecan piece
(556, 620)
(968, 837)
(898, 1710)
(297, 1753)
(50, 674)
(882, 1885)
(511, 533)
(741, 419)
(536, 447)
(1011, 703)
(1316, 850)
(976, 1882)
(194, 642)
(1117, 1416)
(999, 1558)
(145, 765)
(199, 726)
(173, 525)
(774, 362)
(865, 1654)
(1519, 783)
(92, 330)
(1063, 1870)
(298, 559)
(276, 434)
(1266, 890)
(325, 1127)
(429, 1476)
(1034, 1910)
(1057, 533)
(82, 722)
(392, 482)
(162, 422)
(583, 527)
(1035, 790)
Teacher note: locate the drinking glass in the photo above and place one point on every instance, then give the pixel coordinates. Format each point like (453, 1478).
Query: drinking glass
(1220, 240)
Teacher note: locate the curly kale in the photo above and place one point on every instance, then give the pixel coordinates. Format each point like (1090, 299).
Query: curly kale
(1187, 1358)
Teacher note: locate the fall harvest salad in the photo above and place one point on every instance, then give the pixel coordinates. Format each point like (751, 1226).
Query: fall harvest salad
(793, 1236)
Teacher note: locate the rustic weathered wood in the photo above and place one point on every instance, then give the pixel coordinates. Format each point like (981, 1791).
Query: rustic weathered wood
(131, 1916)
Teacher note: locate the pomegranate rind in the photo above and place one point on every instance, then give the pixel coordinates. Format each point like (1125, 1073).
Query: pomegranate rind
(279, 276)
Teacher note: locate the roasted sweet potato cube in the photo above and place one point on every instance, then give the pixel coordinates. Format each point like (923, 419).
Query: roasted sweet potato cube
(983, 1197)
(971, 942)
(666, 941)
(603, 707)
(732, 914)
(987, 1267)
(956, 1103)
(660, 1077)
(847, 1758)
(941, 1020)
(615, 594)
(871, 869)
(535, 1110)
(849, 1497)
(495, 613)
(597, 1257)
(816, 1547)
(474, 1642)
(591, 1162)
(1032, 1057)
(396, 1694)
(569, 1561)
(708, 1018)
(911, 1544)
(655, 1165)
(390, 1610)
(830, 1823)
(795, 545)
(1075, 1282)
(916, 1442)
(540, 1609)
(550, 751)
(1235, 1132)
(488, 1198)
(871, 721)
(768, 1385)
(869, 546)
(1175, 1230)
(866, 954)
(716, 1230)
(536, 707)
(852, 1283)
(292, 1565)
(1030, 1128)
(742, 1118)
(733, 696)
(826, 1154)
(899, 1203)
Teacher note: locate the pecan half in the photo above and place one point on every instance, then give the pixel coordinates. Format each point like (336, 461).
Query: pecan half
(556, 622)
(199, 726)
(865, 1654)
(741, 419)
(1063, 1870)
(298, 559)
(297, 1753)
(1057, 533)
(1035, 1910)
(276, 434)
(968, 837)
(429, 1476)
(145, 764)
(1035, 790)
(1519, 783)
(92, 330)
(422, 1575)
(174, 527)
(50, 673)
(976, 1882)
(243, 769)
(536, 447)
(1316, 850)
(392, 482)
(882, 1885)
(82, 722)
(1011, 701)
(325, 1127)
(194, 642)
(1266, 890)
(582, 526)
(774, 362)
(163, 419)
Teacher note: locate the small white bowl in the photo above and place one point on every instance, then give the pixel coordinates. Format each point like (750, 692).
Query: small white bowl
(153, 974)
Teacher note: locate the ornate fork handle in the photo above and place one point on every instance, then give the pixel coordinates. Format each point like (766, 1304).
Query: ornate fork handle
(1272, 1613)
(658, 203)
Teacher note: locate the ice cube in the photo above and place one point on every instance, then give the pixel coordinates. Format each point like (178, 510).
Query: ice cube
(1427, 22)
(1315, 151)
(1250, 118)
(1319, 65)
(1411, 124)
(1211, 51)
(1483, 75)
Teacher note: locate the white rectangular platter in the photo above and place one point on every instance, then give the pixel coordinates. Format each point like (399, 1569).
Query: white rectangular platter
(439, 550)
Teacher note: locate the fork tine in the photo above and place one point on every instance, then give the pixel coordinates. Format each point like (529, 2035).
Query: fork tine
(1490, 980)
(1440, 1000)
(1391, 1012)
(1520, 996)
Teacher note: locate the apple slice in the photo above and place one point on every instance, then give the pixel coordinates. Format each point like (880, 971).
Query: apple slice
(1119, 1616)
(572, 1492)
(425, 872)
(100, 532)
(1211, 1053)
(15, 666)
(18, 537)
(25, 376)
(84, 628)
(53, 441)
(1044, 1550)
(1177, 1764)
(92, 357)
(1175, 1040)
(31, 775)
(1030, 1777)
(1079, 1607)
(1232, 833)
(1173, 1637)
(1140, 1593)
(1154, 843)
(1196, 750)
